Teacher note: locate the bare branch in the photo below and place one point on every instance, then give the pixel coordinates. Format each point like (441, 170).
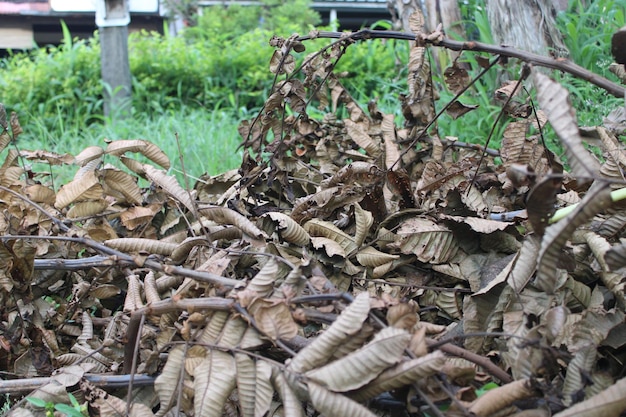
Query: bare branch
(560, 64)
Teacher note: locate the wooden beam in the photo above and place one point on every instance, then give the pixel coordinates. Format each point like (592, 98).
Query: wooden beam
(13, 37)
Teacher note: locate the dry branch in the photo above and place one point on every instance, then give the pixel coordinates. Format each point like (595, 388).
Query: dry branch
(15, 386)
(560, 64)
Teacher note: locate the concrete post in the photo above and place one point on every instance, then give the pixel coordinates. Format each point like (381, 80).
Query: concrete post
(112, 18)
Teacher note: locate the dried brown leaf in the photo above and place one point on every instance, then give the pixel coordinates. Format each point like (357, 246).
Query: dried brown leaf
(84, 188)
(146, 148)
(360, 367)
(597, 198)
(554, 100)
(215, 378)
(429, 241)
(273, 318)
(347, 324)
(402, 374)
(335, 405)
(167, 383)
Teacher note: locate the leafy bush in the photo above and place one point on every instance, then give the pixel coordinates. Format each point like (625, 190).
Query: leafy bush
(58, 86)
(220, 23)
(214, 64)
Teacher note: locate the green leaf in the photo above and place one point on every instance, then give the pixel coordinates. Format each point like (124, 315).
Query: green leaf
(37, 402)
(482, 390)
(74, 401)
(68, 410)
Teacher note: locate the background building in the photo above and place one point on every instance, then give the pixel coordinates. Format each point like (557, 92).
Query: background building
(26, 23)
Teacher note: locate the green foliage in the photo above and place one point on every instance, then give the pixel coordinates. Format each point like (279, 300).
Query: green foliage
(487, 387)
(587, 31)
(220, 23)
(221, 62)
(73, 410)
(376, 69)
(59, 86)
(475, 21)
(6, 406)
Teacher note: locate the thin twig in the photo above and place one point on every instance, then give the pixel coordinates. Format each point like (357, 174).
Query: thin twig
(131, 380)
(481, 361)
(15, 386)
(125, 258)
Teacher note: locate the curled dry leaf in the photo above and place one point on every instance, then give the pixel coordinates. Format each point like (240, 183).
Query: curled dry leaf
(41, 194)
(402, 374)
(360, 136)
(610, 402)
(501, 397)
(89, 154)
(335, 405)
(320, 350)
(146, 148)
(167, 383)
(215, 378)
(363, 220)
(281, 63)
(123, 184)
(138, 216)
(597, 198)
(223, 215)
(320, 228)
(360, 367)
(86, 209)
(554, 100)
(288, 229)
(170, 185)
(426, 239)
(291, 403)
(132, 244)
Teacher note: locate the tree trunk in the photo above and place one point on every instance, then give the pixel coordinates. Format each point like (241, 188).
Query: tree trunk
(446, 12)
(526, 24)
(400, 11)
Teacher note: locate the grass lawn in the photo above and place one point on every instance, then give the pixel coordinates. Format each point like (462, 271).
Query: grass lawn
(207, 139)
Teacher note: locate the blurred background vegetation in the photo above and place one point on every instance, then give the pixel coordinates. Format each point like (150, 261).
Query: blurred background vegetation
(200, 84)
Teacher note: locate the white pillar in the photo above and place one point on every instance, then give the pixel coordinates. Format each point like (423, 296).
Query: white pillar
(334, 24)
(112, 19)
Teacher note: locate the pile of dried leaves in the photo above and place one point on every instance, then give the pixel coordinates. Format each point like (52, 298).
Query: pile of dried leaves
(350, 267)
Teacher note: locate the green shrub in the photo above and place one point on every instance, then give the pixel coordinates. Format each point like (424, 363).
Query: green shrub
(223, 23)
(58, 85)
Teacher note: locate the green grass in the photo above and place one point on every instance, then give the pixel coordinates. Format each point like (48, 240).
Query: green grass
(587, 32)
(207, 139)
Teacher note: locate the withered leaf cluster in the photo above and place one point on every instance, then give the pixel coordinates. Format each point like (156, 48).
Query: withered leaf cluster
(354, 264)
